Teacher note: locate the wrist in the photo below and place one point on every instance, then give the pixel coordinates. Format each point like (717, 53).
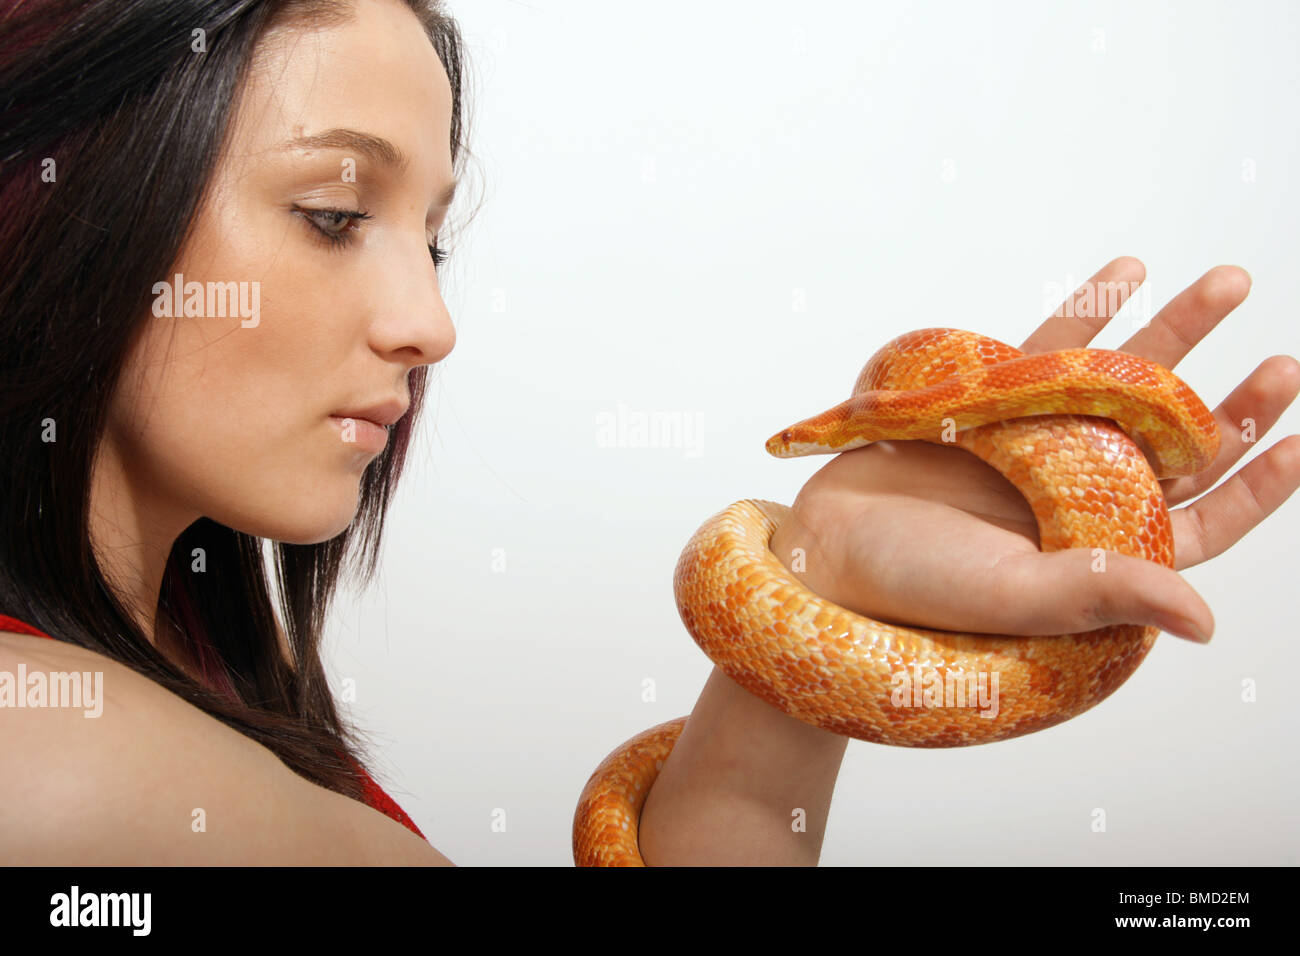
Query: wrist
(739, 744)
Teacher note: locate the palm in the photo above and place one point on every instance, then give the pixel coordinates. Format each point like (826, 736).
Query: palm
(910, 532)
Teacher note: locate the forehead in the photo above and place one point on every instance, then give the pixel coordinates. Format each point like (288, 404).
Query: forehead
(377, 72)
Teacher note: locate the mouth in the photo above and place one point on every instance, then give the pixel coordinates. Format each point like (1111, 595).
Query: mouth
(364, 434)
(366, 427)
(382, 413)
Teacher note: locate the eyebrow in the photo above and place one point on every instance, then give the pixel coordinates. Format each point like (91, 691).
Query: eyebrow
(374, 147)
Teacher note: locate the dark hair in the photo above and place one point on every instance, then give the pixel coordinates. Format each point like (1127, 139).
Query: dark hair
(135, 121)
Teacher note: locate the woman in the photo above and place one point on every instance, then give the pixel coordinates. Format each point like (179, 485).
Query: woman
(220, 298)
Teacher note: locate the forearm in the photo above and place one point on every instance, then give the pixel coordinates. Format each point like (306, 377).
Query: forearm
(745, 785)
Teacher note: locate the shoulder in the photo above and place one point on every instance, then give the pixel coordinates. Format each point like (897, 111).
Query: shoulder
(84, 736)
(107, 767)
(54, 672)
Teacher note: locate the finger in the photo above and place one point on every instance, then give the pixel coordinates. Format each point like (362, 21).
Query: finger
(1079, 318)
(1081, 589)
(1189, 316)
(1244, 417)
(1214, 523)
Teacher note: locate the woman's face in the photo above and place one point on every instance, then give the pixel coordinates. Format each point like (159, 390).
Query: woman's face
(232, 416)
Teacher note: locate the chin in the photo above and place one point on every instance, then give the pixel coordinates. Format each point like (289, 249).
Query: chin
(293, 506)
(314, 532)
(312, 528)
(309, 537)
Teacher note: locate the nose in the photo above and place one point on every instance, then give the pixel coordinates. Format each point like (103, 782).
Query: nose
(409, 316)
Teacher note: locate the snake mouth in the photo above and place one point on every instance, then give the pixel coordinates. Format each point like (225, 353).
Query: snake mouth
(779, 444)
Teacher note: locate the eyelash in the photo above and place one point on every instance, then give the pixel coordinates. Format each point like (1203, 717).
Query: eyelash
(338, 240)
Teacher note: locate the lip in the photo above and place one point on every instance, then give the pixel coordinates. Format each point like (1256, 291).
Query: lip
(361, 432)
(366, 427)
(383, 413)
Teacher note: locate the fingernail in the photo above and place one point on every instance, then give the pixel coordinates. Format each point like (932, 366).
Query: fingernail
(1187, 628)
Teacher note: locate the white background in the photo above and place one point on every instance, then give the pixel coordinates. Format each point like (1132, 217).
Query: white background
(721, 210)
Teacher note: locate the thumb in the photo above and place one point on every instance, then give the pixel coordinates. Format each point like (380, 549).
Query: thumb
(1080, 589)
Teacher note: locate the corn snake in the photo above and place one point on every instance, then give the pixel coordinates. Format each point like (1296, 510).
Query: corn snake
(1060, 426)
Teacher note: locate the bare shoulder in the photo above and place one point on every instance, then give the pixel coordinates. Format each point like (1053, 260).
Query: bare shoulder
(102, 766)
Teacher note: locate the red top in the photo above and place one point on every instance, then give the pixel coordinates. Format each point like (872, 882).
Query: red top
(373, 794)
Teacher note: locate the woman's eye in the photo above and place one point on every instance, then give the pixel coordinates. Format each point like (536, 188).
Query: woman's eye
(335, 225)
(334, 220)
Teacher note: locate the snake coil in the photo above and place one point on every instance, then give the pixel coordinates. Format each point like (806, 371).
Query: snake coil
(1060, 427)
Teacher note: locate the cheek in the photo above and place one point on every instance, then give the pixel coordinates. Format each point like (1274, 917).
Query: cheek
(231, 422)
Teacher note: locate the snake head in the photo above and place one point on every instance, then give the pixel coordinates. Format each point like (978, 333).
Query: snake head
(834, 430)
(797, 441)
(779, 444)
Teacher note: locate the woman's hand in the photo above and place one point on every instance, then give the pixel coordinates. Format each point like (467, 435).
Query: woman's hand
(915, 533)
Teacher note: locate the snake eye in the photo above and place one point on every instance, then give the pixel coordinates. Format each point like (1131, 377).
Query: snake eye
(785, 435)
